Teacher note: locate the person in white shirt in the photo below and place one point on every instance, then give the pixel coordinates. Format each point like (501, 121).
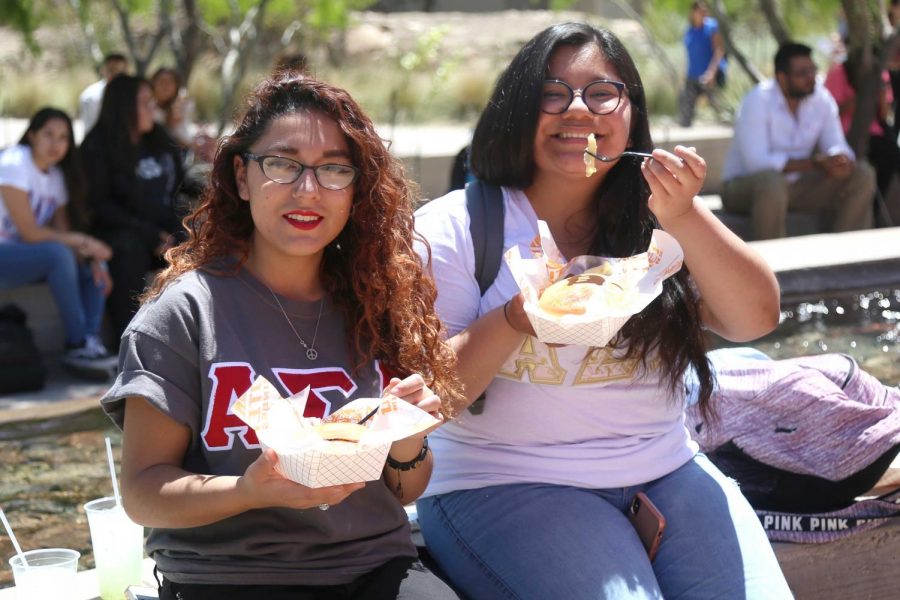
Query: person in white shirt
(789, 153)
(41, 212)
(529, 499)
(91, 98)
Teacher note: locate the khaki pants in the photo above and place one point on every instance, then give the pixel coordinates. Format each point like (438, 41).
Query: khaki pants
(767, 196)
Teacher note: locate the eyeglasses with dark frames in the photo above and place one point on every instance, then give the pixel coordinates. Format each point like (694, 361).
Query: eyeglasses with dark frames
(601, 96)
(287, 170)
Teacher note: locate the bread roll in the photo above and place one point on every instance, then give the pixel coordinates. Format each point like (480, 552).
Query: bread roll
(344, 432)
(570, 296)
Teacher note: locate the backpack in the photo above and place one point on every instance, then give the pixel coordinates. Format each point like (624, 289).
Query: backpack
(484, 203)
(21, 369)
(804, 438)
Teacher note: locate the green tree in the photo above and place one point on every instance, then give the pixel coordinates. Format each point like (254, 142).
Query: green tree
(232, 27)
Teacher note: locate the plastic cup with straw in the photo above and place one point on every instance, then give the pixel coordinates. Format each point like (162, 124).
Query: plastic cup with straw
(41, 574)
(112, 472)
(117, 541)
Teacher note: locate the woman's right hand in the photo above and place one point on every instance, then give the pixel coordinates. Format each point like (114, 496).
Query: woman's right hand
(263, 486)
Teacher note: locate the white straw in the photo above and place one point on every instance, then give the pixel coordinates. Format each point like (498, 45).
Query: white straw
(12, 538)
(112, 473)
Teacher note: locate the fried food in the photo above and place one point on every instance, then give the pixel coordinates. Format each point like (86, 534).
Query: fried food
(570, 296)
(589, 166)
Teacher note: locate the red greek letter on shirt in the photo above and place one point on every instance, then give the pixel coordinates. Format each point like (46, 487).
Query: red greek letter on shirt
(318, 380)
(230, 380)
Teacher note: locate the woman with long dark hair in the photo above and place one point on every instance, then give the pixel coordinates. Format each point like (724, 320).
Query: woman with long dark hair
(530, 498)
(42, 223)
(299, 267)
(133, 172)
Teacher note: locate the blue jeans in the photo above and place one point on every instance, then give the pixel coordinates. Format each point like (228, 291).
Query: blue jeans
(548, 541)
(79, 301)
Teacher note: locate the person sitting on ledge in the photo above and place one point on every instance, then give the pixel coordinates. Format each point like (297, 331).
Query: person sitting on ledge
(789, 154)
(41, 210)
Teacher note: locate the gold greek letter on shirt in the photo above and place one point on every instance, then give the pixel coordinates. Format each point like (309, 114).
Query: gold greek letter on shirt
(539, 360)
(600, 365)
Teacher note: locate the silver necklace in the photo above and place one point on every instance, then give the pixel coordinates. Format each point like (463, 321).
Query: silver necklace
(311, 352)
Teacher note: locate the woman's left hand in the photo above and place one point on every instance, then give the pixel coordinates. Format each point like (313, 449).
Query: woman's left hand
(674, 180)
(101, 276)
(413, 390)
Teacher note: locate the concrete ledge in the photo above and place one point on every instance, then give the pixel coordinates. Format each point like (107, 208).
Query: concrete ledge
(834, 261)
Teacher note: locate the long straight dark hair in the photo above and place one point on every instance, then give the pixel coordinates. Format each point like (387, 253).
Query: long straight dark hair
(503, 154)
(70, 165)
(118, 118)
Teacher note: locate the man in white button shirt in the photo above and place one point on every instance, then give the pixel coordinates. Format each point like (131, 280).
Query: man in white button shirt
(91, 98)
(789, 154)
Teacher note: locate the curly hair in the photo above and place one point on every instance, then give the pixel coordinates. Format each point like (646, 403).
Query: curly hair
(371, 270)
(503, 154)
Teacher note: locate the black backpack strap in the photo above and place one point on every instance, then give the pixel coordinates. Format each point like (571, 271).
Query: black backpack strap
(484, 202)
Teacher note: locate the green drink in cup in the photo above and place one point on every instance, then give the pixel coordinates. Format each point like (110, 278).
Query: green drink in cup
(118, 545)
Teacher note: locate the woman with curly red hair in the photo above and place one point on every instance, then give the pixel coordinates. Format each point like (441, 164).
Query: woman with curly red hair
(299, 267)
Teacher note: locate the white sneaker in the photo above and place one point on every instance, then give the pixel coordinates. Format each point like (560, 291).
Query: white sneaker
(92, 356)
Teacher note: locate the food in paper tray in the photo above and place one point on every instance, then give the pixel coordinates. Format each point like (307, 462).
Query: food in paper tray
(588, 299)
(589, 165)
(331, 451)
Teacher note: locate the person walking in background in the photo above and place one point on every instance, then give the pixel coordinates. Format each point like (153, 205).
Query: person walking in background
(706, 64)
(884, 154)
(41, 205)
(174, 108)
(789, 153)
(133, 172)
(91, 98)
(529, 499)
(299, 267)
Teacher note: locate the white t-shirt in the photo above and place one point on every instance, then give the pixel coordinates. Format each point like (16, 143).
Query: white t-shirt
(46, 191)
(89, 103)
(572, 415)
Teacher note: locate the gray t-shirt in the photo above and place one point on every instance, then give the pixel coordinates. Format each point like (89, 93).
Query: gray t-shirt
(193, 351)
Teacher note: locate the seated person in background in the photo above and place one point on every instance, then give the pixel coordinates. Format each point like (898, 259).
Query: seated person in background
(789, 154)
(293, 233)
(133, 172)
(91, 98)
(174, 109)
(884, 153)
(41, 195)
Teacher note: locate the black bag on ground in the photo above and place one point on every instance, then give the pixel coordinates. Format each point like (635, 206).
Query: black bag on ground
(771, 488)
(21, 369)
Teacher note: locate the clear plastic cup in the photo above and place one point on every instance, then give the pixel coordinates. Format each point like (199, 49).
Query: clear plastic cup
(49, 573)
(118, 544)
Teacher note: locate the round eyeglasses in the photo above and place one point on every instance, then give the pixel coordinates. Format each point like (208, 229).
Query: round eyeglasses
(601, 96)
(287, 170)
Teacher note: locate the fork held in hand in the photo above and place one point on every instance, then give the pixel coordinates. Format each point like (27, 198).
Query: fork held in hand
(602, 158)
